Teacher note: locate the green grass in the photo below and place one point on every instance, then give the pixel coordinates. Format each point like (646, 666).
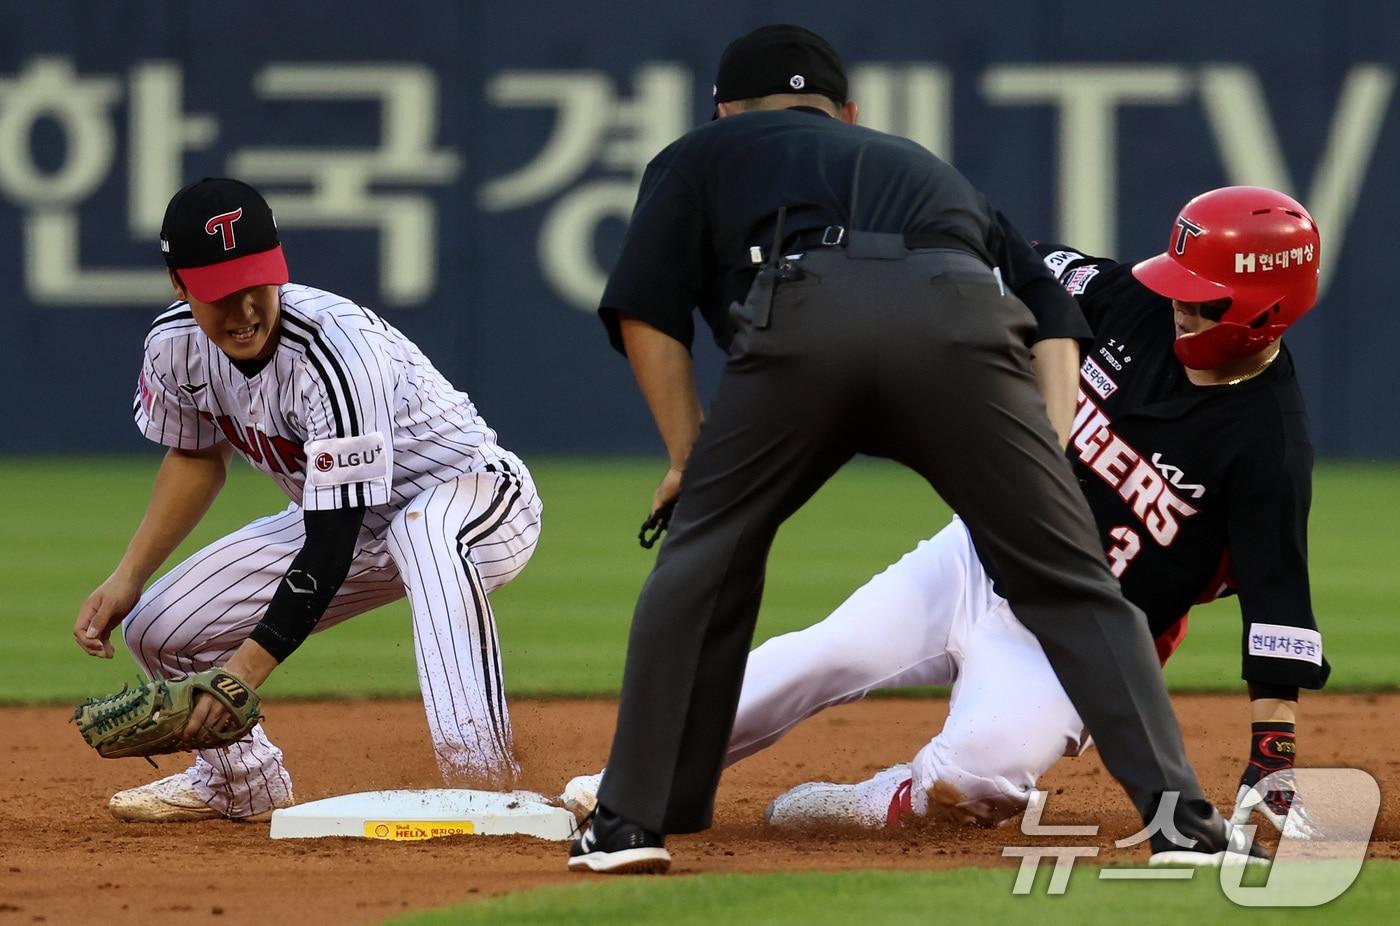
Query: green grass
(967, 895)
(564, 622)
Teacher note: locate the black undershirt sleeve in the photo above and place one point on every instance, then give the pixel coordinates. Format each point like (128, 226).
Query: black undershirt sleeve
(1270, 493)
(313, 578)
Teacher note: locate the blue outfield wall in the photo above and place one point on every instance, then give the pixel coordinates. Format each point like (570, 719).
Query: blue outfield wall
(468, 168)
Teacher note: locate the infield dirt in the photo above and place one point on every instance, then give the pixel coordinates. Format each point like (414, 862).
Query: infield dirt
(63, 859)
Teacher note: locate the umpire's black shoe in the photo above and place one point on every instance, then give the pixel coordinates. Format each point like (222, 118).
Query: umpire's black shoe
(1213, 840)
(616, 846)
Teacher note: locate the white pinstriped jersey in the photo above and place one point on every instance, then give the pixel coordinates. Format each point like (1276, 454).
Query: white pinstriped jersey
(348, 411)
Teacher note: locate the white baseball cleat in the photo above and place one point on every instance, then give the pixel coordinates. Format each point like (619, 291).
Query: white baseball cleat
(173, 799)
(880, 801)
(581, 795)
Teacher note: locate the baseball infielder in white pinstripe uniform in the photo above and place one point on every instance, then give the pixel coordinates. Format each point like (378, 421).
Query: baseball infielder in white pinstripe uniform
(397, 486)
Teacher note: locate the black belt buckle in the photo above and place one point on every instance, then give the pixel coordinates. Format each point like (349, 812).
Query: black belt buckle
(864, 245)
(833, 236)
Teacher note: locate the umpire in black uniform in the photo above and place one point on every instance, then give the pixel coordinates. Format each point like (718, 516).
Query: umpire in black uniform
(856, 281)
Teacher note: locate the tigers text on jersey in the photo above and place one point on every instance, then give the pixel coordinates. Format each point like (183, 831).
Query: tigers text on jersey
(1198, 491)
(347, 412)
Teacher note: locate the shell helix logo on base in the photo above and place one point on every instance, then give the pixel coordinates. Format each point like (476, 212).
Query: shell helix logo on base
(413, 830)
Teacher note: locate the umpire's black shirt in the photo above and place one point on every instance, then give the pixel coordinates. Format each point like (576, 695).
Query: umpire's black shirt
(715, 193)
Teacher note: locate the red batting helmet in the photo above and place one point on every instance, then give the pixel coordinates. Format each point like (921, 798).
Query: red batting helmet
(1254, 246)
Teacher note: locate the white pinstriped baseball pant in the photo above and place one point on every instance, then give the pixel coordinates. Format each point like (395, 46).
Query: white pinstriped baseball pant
(448, 549)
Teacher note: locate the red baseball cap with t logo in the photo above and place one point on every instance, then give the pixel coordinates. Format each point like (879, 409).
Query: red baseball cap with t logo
(220, 237)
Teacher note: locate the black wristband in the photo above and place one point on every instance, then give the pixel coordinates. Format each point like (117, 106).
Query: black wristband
(1272, 745)
(1261, 690)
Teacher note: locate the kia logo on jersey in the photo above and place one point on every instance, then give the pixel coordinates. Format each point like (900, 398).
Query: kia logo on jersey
(325, 462)
(222, 225)
(1176, 476)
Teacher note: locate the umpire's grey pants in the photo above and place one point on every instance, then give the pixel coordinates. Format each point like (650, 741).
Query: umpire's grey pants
(921, 360)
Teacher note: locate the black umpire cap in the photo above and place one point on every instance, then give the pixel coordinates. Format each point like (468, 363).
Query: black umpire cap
(780, 59)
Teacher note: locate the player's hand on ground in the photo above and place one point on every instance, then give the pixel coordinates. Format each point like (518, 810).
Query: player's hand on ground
(668, 491)
(1280, 806)
(102, 611)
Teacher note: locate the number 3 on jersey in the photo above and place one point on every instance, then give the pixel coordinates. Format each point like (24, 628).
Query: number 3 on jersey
(1122, 552)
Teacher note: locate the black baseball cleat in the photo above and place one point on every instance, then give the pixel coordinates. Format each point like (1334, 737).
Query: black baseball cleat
(613, 845)
(1210, 838)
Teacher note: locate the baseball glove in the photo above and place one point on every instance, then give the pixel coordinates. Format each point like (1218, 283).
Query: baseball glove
(150, 720)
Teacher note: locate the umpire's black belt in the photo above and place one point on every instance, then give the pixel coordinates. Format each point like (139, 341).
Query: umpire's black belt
(884, 247)
(836, 236)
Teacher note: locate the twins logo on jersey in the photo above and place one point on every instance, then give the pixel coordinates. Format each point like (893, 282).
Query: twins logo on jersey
(270, 452)
(1129, 473)
(148, 399)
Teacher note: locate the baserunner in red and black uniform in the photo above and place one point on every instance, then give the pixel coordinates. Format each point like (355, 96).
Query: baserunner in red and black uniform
(1191, 444)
